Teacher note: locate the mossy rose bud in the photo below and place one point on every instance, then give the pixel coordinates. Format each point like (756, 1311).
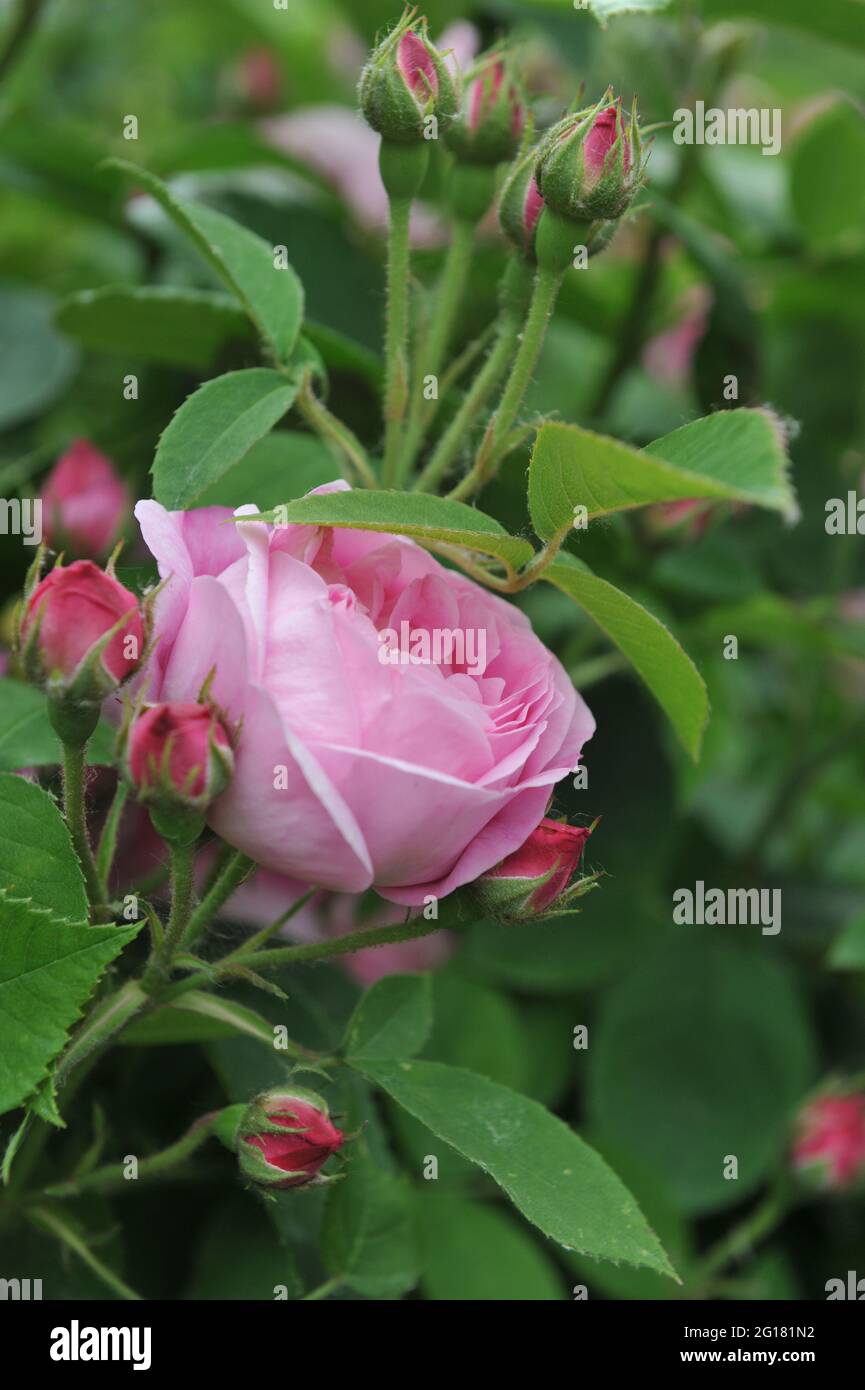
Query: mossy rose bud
(535, 881)
(589, 165)
(829, 1144)
(286, 1137)
(521, 205)
(84, 502)
(492, 115)
(179, 755)
(404, 82)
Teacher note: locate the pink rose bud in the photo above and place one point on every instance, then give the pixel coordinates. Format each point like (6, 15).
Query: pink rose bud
(406, 80)
(286, 1137)
(589, 166)
(84, 502)
(259, 79)
(534, 881)
(179, 755)
(521, 205)
(829, 1147)
(492, 117)
(80, 616)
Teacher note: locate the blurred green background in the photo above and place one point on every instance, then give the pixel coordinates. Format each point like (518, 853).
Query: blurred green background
(702, 1040)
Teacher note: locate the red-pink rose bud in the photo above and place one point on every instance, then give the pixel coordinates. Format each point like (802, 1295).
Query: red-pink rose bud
(179, 754)
(829, 1147)
(602, 136)
(72, 610)
(404, 81)
(535, 881)
(84, 502)
(590, 165)
(492, 117)
(286, 1138)
(521, 205)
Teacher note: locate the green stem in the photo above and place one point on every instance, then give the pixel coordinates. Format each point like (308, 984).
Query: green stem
(339, 946)
(76, 819)
(235, 871)
(323, 1290)
(396, 336)
(544, 296)
(449, 294)
(481, 389)
(760, 1223)
(112, 1176)
(108, 838)
(333, 431)
(53, 1223)
(182, 864)
(19, 34)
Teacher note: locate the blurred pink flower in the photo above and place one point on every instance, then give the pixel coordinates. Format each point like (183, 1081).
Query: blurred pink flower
(669, 356)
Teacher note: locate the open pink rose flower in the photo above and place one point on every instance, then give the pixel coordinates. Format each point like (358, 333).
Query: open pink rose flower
(355, 767)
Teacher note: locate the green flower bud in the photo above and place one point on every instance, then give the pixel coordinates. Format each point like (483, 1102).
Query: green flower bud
(521, 205)
(589, 165)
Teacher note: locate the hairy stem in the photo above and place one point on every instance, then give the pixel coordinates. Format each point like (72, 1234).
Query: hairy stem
(339, 946)
(159, 967)
(76, 819)
(396, 336)
(333, 431)
(112, 1176)
(235, 871)
(108, 838)
(449, 293)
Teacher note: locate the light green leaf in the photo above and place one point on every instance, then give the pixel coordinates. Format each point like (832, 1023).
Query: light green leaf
(476, 1251)
(556, 1180)
(214, 429)
(159, 323)
(734, 455)
(272, 298)
(37, 861)
(199, 1017)
(654, 653)
(392, 1019)
(26, 736)
(368, 1237)
(430, 520)
(47, 971)
(282, 463)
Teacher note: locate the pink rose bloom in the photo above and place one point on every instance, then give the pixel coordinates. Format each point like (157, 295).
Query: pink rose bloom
(84, 502)
(830, 1143)
(353, 771)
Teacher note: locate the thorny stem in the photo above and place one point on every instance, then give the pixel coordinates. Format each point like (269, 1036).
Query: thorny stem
(235, 871)
(182, 864)
(339, 946)
(396, 336)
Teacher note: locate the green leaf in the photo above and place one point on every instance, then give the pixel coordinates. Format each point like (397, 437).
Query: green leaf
(37, 861)
(605, 10)
(826, 185)
(282, 463)
(199, 1017)
(431, 520)
(555, 1179)
(474, 1250)
(37, 363)
(392, 1019)
(704, 1050)
(734, 455)
(651, 649)
(159, 323)
(272, 298)
(848, 949)
(26, 736)
(214, 429)
(368, 1237)
(47, 971)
